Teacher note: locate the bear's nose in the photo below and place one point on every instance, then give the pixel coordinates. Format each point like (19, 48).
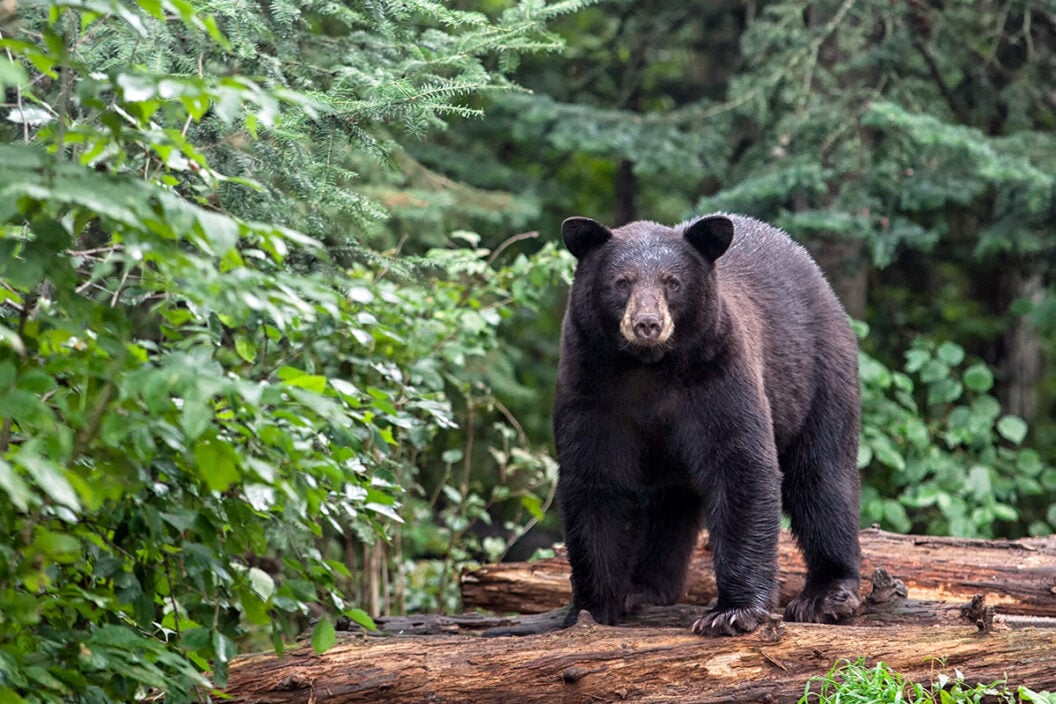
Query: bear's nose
(647, 327)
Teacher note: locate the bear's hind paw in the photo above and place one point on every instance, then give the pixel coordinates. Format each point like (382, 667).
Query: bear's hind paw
(731, 622)
(829, 605)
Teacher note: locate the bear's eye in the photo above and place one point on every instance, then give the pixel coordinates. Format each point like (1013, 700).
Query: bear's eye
(672, 284)
(623, 284)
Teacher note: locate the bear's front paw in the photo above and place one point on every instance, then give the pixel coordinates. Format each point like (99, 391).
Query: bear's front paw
(731, 622)
(825, 605)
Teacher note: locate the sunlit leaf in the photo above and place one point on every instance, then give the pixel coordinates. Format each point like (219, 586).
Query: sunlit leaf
(324, 636)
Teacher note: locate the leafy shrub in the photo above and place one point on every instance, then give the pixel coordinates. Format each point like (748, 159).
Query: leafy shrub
(938, 456)
(198, 405)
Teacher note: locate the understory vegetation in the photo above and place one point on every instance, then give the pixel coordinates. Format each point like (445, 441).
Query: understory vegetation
(851, 682)
(281, 290)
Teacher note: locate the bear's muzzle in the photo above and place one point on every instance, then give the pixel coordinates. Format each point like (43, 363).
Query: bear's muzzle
(646, 320)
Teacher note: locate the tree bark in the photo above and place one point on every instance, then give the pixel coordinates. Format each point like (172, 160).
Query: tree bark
(590, 663)
(625, 190)
(1022, 367)
(846, 265)
(885, 605)
(1017, 577)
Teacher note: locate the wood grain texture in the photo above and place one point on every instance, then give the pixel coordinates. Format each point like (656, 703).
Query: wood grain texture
(592, 663)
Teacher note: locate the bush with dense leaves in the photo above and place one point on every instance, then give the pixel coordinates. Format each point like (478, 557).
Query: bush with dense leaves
(199, 401)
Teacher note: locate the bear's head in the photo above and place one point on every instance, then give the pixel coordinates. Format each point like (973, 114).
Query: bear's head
(642, 282)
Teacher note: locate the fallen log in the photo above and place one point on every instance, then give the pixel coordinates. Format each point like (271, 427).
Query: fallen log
(589, 663)
(1017, 576)
(885, 605)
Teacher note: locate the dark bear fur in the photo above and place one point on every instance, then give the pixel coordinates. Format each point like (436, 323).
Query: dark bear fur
(708, 377)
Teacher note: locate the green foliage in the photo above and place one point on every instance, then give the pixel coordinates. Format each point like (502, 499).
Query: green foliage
(201, 404)
(257, 367)
(939, 456)
(856, 682)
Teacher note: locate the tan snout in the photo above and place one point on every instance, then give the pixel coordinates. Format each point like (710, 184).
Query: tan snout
(646, 320)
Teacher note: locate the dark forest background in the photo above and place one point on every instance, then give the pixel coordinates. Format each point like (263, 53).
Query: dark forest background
(281, 285)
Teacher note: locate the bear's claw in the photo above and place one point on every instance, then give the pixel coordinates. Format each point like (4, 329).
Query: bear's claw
(826, 605)
(731, 622)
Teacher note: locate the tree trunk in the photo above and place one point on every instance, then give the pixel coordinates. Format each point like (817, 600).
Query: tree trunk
(625, 189)
(1017, 577)
(846, 266)
(1021, 364)
(589, 663)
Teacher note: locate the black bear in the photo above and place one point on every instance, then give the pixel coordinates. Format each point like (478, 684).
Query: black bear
(708, 377)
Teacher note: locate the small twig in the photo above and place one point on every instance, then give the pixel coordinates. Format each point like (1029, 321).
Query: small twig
(509, 241)
(467, 464)
(95, 420)
(201, 74)
(399, 247)
(521, 435)
(172, 596)
(95, 250)
(117, 292)
(550, 496)
(936, 77)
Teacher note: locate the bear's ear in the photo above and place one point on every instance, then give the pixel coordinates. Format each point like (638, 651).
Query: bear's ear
(710, 236)
(583, 234)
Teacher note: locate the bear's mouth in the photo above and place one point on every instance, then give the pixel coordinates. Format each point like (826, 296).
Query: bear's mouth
(648, 351)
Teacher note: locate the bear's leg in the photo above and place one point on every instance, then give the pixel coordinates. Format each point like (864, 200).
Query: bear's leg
(671, 520)
(598, 523)
(819, 492)
(743, 518)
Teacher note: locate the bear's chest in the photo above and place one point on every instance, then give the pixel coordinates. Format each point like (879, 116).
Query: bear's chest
(650, 403)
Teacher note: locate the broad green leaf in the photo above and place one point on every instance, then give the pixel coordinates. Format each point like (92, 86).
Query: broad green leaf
(887, 454)
(58, 547)
(1012, 428)
(978, 378)
(979, 482)
(362, 618)
(215, 461)
(1004, 512)
(865, 456)
(311, 382)
(196, 639)
(534, 505)
(121, 637)
(17, 490)
(873, 373)
(195, 417)
(944, 391)
(261, 582)
(385, 510)
(324, 636)
(934, 371)
(916, 359)
(9, 697)
(896, 516)
(12, 75)
(246, 348)
(951, 353)
(50, 478)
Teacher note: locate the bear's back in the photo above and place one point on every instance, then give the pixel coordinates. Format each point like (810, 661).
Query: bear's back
(766, 256)
(798, 327)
